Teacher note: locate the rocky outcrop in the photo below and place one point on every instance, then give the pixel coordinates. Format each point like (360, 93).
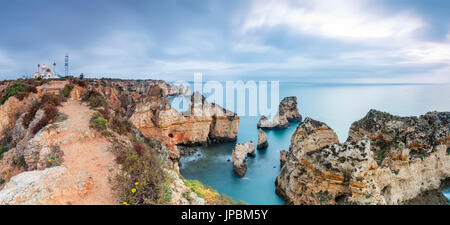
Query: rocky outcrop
(22, 135)
(46, 187)
(289, 108)
(287, 112)
(182, 195)
(319, 170)
(283, 157)
(311, 135)
(11, 110)
(262, 140)
(239, 157)
(8, 167)
(420, 135)
(278, 122)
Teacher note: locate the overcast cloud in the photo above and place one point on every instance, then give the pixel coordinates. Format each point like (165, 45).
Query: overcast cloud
(370, 41)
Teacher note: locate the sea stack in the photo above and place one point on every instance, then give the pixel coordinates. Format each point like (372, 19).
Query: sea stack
(287, 112)
(262, 140)
(239, 157)
(386, 160)
(289, 108)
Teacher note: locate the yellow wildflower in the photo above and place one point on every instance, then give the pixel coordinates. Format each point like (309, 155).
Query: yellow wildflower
(49, 160)
(133, 190)
(137, 183)
(125, 203)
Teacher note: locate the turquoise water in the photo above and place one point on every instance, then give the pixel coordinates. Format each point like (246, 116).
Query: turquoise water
(336, 105)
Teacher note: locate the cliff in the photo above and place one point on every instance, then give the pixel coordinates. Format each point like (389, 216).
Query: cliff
(201, 124)
(386, 160)
(62, 147)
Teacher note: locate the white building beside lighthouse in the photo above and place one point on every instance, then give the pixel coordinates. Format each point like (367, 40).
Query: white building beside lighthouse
(46, 73)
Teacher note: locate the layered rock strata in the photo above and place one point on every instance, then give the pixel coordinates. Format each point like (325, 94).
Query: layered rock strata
(386, 160)
(201, 124)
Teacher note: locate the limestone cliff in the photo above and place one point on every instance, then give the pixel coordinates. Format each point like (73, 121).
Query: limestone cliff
(69, 162)
(386, 160)
(203, 123)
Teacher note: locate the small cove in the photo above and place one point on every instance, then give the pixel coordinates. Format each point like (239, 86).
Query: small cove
(336, 105)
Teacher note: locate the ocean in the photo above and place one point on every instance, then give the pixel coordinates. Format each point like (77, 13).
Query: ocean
(338, 105)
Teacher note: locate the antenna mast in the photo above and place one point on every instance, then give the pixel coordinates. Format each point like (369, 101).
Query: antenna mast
(66, 64)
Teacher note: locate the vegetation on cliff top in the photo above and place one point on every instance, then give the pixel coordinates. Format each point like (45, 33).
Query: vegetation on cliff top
(20, 90)
(210, 195)
(142, 179)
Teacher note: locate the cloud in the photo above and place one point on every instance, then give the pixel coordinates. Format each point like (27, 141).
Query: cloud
(351, 19)
(309, 40)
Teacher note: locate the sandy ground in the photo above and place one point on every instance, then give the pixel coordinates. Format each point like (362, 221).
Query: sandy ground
(88, 154)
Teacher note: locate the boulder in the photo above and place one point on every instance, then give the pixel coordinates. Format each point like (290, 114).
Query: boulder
(239, 157)
(262, 140)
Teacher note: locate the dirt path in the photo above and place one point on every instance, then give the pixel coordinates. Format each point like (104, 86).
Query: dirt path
(87, 153)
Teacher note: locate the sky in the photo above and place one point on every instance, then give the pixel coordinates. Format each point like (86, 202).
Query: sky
(329, 41)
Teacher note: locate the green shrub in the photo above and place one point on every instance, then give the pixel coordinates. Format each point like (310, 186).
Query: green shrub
(3, 149)
(93, 98)
(19, 162)
(210, 195)
(51, 99)
(20, 90)
(142, 180)
(55, 158)
(67, 89)
(97, 101)
(99, 123)
(121, 126)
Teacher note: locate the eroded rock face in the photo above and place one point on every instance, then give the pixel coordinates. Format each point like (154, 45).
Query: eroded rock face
(289, 108)
(319, 170)
(283, 157)
(203, 123)
(287, 112)
(262, 140)
(239, 157)
(11, 110)
(311, 135)
(182, 195)
(46, 187)
(7, 167)
(418, 134)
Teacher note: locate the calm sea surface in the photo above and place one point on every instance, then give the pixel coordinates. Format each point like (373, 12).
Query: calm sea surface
(336, 105)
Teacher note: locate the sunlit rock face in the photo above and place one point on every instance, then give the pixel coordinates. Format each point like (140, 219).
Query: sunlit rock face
(386, 160)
